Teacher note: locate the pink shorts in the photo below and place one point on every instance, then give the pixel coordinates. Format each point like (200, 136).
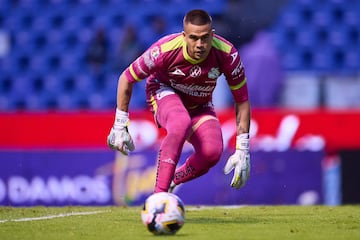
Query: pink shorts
(165, 98)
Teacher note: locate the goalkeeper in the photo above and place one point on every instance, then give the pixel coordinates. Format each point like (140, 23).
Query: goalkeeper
(181, 71)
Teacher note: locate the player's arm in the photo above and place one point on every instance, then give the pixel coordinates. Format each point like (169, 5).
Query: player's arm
(242, 110)
(240, 160)
(119, 137)
(124, 92)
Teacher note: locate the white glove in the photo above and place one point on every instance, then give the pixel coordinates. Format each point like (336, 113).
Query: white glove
(239, 161)
(119, 137)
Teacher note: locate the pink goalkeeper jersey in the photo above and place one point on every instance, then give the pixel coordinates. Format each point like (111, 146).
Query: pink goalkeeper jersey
(167, 63)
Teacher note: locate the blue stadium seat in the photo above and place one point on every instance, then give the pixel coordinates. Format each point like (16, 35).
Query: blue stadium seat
(322, 17)
(35, 101)
(338, 36)
(97, 101)
(6, 103)
(323, 60)
(66, 101)
(50, 39)
(306, 37)
(6, 83)
(352, 59)
(53, 84)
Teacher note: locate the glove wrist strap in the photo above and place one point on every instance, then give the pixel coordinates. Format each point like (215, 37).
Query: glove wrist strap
(243, 142)
(121, 119)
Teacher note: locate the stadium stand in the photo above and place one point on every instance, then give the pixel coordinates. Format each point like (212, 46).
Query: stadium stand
(44, 68)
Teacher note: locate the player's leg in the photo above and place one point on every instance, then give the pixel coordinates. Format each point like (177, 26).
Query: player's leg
(174, 118)
(206, 138)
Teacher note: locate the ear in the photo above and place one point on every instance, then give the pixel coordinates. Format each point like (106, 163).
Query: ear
(183, 33)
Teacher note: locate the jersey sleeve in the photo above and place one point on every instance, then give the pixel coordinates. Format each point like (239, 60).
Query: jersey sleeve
(144, 65)
(235, 75)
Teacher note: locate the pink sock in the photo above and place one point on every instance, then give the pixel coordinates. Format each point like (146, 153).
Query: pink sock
(175, 119)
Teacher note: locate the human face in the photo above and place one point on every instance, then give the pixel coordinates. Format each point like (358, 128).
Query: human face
(198, 40)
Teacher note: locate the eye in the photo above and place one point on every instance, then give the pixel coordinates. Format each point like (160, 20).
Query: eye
(195, 38)
(204, 38)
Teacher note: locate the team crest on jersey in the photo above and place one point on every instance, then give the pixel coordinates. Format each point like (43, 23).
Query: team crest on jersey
(155, 52)
(214, 73)
(195, 71)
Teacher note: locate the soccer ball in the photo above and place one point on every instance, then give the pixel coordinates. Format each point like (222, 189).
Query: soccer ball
(163, 213)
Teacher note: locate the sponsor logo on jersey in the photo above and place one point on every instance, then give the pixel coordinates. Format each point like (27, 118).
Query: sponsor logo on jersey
(193, 89)
(195, 71)
(238, 69)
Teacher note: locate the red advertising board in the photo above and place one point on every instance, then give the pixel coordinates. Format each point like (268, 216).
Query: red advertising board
(272, 129)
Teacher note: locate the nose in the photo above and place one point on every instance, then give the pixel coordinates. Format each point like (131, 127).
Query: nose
(199, 43)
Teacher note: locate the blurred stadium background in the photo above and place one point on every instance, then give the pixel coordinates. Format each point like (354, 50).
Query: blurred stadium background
(58, 86)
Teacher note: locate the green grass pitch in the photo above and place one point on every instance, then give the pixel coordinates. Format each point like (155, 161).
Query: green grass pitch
(122, 223)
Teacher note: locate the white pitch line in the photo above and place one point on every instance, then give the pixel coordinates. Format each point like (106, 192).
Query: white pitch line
(61, 215)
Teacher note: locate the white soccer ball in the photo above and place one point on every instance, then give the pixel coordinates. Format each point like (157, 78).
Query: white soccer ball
(163, 213)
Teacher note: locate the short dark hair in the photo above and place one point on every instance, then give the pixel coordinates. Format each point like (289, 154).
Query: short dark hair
(197, 17)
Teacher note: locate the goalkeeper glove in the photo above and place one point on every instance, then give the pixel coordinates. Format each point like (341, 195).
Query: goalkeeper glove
(119, 138)
(239, 161)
